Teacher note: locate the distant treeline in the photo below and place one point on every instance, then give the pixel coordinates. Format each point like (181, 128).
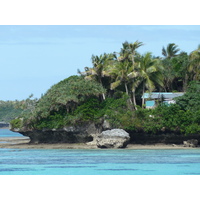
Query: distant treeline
(8, 111)
(11, 109)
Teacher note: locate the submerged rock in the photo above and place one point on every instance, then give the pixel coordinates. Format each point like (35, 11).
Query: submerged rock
(115, 138)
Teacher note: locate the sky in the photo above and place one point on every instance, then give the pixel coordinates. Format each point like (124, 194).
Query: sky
(35, 57)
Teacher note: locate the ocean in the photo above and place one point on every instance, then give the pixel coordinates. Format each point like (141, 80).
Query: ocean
(97, 161)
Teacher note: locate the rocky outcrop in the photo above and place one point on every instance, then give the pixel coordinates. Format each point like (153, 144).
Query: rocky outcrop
(115, 138)
(190, 143)
(71, 134)
(165, 138)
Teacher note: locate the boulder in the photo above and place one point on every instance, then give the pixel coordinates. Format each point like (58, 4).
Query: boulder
(190, 143)
(115, 138)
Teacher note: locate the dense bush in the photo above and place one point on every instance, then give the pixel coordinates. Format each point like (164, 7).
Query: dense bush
(89, 110)
(70, 101)
(191, 99)
(67, 94)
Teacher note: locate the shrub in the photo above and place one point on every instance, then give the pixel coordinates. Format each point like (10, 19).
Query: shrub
(89, 110)
(16, 123)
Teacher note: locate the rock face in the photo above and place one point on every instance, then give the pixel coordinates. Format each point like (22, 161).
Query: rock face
(71, 134)
(115, 138)
(190, 143)
(106, 125)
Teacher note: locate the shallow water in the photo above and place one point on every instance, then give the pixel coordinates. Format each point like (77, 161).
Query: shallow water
(8, 133)
(97, 161)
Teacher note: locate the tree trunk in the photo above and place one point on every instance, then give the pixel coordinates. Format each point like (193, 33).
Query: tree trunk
(134, 101)
(185, 82)
(133, 61)
(126, 87)
(103, 96)
(143, 95)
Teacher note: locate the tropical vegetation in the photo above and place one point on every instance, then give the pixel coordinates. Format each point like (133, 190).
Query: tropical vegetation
(112, 89)
(8, 111)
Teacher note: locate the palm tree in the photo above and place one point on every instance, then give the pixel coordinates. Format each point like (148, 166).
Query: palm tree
(194, 67)
(171, 50)
(132, 50)
(97, 72)
(134, 82)
(180, 73)
(124, 52)
(150, 72)
(120, 75)
(128, 53)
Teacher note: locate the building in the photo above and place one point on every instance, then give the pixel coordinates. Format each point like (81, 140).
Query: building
(152, 99)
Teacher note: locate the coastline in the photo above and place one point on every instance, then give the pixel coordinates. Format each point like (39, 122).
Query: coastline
(23, 143)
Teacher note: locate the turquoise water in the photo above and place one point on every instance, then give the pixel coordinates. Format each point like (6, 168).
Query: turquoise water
(8, 133)
(99, 162)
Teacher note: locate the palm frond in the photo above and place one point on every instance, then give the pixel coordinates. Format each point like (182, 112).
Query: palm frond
(89, 77)
(115, 84)
(171, 50)
(135, 84)
(164, 52)
(133, 74)
(151, 69)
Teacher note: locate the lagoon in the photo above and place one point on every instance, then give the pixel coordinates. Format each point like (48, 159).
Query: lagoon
(99, 162)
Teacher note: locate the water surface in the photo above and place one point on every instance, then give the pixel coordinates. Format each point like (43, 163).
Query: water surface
(8, 133)
(97, 161)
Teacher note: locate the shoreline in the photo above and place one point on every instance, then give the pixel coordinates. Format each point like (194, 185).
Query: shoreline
(4, 127)
(23, 143)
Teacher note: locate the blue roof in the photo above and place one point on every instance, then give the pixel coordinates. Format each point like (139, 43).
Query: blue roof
(157, 95)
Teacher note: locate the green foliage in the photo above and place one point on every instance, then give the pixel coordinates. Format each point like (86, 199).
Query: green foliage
(8, 111)
(67, 94)
(16, 123)
(58, 106)
(170, 51)
(51, 122)
(171, 119)
(191, 99)
(194, 87)
(89, 110)
(116, 111)
(192, 129)
(162, 119)
(27, 105)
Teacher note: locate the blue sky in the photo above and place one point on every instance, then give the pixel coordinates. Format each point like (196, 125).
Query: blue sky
(33, 58)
